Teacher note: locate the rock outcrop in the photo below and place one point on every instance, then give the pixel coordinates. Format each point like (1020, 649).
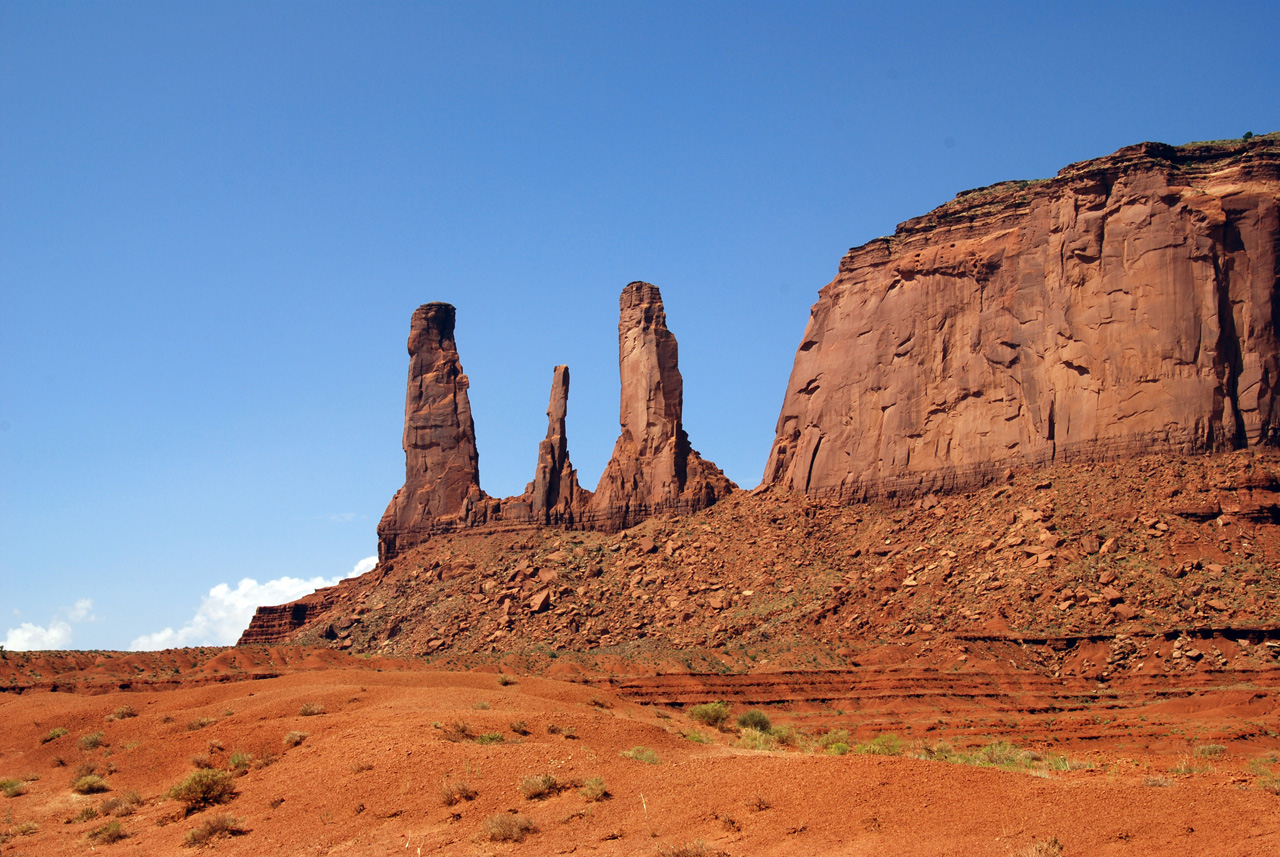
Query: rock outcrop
(554, 496)
(1130, 303)
(442, 473)
(653, 468)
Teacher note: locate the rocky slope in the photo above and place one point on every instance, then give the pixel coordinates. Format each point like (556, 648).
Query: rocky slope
(1128, 303)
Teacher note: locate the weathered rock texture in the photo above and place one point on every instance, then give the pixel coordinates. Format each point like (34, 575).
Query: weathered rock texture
(1129, 303)
(653, 467)
(442, 473)
(554, 496)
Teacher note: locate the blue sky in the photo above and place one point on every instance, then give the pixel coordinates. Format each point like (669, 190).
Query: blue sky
(216, 220)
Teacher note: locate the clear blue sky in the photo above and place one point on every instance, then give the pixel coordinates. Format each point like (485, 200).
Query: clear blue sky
(217, 218)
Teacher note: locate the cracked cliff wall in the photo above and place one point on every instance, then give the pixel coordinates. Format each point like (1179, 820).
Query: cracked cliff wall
(1131, 302)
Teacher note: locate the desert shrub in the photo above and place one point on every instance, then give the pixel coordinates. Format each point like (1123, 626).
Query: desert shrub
(204, 788)
(519, 727)
(294, 738)
(124, 712)
(201, 760)
(835, 736)
(459, 731)
(490, 738)
(754, 739)
(1187, 766)
(87, 814)
(786, 736)
(839, 748)
(54, 734)
(505, 680)
(688, 849)
(569, 733)
(754, 719)
(239, 762)
(882, 745)
(482, 705)
(1157, 782)
(200, 723)
(553, 729)
(311, 709)
(92, 741)
(538, 786)
(107, 833)
(507, 827)
(642, 754)
(452, 794)
(1210, 751)
(90, 784)
(13, 787)
(1049, 848)
(712, 714)
(214, 828)
(697, 737)
(594, 789)
(125, 803)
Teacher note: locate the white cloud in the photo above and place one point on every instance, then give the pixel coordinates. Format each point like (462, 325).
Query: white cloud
(28, 637)
(56, 635)
(225, 612)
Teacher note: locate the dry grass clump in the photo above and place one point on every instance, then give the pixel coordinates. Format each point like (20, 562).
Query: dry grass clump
(107, 834)
(458, 731)
(452, 794)
(125, 803)
(14, 786)
(54, 734)
(90, 784)
(294, 738)
(220, 826)
(641, 754)
(239, 762)
(87, 814)
(124, 712)
(594, 790)
(200, 723)
(519, 727)
(539, 786)
(204, 788)
(505, 680)
(713, 714)
(508, 827)
(1049, 848)
(688, 849)
(490, 738)
(92, 741)
(311, 709)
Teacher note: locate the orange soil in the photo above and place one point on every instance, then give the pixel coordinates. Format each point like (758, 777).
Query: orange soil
(367, 779)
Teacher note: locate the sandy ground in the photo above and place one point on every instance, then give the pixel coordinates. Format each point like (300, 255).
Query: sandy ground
(1146, 773)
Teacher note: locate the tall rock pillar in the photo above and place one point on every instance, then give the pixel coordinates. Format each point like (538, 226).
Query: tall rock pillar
(653, 468)
(554, 495)
(442, 474)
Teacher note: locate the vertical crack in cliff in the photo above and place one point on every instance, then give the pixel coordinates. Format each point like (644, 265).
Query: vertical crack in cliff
(1227, 429)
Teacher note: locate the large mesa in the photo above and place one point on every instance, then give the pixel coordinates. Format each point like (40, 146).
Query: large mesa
(1127, 304)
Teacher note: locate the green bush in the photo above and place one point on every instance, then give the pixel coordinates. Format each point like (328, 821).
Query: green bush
(54, 734)
(204, 788)
(92, 741)
(594, 789)
(882, 745)
(90, 784)
(712, 714)
(754, 719)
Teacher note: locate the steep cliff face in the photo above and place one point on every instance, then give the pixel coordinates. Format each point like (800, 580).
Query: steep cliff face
(1129, 303)
(442, 474)
(653, 467)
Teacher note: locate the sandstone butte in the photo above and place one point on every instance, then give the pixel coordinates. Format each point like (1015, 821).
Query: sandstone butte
(1128, 304)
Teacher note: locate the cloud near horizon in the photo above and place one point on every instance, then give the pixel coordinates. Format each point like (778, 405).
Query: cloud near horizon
(225, 612)
(29, 637)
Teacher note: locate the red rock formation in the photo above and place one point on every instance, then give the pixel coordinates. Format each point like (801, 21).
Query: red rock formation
(442, 474)
(554, 496)
(653, 467)
(1130, 302)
